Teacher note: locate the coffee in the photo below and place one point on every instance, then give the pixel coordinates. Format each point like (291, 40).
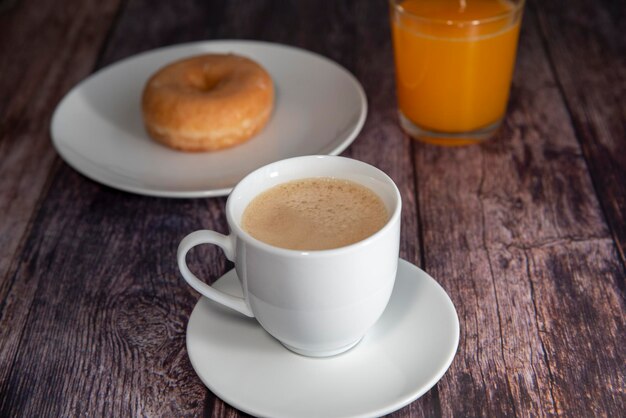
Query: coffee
(315, 214)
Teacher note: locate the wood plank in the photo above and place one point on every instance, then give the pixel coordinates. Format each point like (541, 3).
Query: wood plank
(580, 315)
(99, 365)
(106, 332)
(512, 229)
(124, 352)
(44, 51)
(587, 46)
(34, 78)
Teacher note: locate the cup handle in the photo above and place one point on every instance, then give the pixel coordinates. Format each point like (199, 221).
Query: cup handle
(225, 242)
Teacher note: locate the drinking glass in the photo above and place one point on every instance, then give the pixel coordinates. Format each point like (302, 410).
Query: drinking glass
(454, 63)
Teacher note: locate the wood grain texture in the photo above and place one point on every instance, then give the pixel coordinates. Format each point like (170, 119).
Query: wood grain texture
(93, 310)
(106, 333)
(587, 48)
(523, 229)
(122, 353)
(44, 51)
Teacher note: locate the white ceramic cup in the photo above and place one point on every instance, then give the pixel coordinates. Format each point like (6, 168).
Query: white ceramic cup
(316, 303)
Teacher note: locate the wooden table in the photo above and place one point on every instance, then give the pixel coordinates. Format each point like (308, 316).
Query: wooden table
(526, 232)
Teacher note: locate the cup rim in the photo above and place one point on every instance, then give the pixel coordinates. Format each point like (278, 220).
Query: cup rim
(241, 233)
(395, 4)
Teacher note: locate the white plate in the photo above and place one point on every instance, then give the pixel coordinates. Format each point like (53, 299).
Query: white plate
(97, 128)
(405, 354)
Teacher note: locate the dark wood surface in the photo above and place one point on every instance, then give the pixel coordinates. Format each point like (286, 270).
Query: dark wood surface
(527, 233)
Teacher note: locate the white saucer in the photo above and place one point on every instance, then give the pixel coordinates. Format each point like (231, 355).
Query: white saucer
(97, 128)
(405, 354)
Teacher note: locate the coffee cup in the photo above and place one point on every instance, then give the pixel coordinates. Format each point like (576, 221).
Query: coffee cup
(316, 303)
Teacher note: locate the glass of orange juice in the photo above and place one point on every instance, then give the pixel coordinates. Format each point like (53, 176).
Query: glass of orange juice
(454, 63)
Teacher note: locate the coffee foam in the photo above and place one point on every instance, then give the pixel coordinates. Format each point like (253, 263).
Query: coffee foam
(315, 214)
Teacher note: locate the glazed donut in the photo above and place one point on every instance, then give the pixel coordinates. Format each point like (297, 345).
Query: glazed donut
(207, 102)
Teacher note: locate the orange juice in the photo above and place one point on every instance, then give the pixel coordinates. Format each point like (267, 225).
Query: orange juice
(454, 62)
